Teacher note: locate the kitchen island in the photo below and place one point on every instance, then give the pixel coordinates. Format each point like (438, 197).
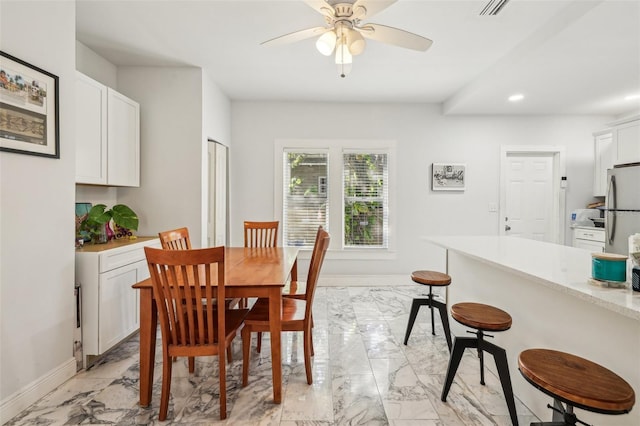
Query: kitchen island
(545, 288)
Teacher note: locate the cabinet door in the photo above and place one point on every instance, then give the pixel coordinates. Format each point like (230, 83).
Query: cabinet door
(118, 304)
(91, 131)
(589, 245)
(605, 154)
(124, 140)
(628, 141)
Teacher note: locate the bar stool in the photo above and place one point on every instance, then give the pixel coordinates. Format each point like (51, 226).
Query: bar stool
(482, 318)
(576, 382)
(430, 278)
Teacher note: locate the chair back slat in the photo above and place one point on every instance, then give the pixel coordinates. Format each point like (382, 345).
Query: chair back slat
(261, 234)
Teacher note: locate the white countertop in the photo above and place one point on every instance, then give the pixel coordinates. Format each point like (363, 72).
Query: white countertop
(563, 268)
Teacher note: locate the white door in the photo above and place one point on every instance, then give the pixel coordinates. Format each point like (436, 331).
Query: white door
(217, 216)
(529, 208)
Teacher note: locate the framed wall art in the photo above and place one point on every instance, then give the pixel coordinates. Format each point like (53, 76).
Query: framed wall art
(29, 116)
(448, 176)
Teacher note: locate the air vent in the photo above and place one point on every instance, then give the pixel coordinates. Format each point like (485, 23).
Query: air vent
(493, 7)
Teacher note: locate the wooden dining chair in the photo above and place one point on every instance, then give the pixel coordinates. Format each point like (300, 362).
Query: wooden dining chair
(296, 313)
(298, 289)
(178, 239)
(180, 279)
(259, 234)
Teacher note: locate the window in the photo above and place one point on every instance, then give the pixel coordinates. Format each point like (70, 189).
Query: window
(365, 199)
(341, 185)
(305, 202)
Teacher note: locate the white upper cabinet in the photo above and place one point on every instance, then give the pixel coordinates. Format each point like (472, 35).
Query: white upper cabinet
(123, 164)
(107, 135)
(620, 144)
(91, 131)
(628, 142)
(605, 155)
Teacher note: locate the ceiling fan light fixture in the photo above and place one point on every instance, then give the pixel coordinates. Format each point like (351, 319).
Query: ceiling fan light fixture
(342, 54)
(356, 42)
(326, 43)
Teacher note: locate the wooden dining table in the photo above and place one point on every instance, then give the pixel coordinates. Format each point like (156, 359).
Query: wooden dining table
(249, 272)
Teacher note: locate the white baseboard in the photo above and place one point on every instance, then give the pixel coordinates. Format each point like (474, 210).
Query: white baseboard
(22, 399)
(364, 280)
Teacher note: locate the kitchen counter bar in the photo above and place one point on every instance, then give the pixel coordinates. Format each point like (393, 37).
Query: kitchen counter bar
(563, 268)
(545, 289)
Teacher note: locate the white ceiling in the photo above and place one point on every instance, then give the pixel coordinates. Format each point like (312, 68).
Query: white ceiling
(566, 57)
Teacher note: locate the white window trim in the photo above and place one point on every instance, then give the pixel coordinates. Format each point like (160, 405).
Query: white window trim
(335, 148)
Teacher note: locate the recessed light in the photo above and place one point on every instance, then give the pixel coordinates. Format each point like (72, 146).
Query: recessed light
(517, 97)
(632, 97)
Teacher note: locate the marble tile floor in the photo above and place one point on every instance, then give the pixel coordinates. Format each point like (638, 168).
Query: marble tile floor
(362, 372)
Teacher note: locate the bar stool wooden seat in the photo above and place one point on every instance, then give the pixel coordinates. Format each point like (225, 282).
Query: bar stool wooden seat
(432, 279)
(481, 318)
(576, 382)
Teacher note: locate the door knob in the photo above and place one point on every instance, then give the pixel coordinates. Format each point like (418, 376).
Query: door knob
(507, 228)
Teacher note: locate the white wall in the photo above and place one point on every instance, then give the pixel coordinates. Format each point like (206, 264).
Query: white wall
(36, 220)
(95, 66)
(216, 123)
(170, 151)
(172, 145)
(423, 136)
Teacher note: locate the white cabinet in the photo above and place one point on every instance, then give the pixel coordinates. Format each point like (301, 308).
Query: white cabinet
(106, 273)
(589, 238)
(107, 135)
(628, 142)
(605, 155)
(619, 144)
(123, 136)
(91, 131)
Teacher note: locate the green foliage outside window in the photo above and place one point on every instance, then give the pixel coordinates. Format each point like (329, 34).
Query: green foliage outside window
(363, 192)
(364, 195)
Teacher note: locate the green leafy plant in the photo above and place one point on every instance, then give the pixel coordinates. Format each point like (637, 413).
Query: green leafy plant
(98, 216)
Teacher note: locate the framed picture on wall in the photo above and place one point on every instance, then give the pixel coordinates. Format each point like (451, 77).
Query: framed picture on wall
(448, 176)
(29, 122)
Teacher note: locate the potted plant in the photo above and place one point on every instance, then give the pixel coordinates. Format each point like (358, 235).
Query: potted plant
(96, 224)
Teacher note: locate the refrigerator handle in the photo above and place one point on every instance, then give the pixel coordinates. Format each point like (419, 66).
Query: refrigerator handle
(611, 210)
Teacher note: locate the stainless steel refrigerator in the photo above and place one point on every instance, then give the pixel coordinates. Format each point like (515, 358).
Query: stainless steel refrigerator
(622, 207)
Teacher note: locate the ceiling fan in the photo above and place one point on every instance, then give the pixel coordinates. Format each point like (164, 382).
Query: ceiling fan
(345, 33)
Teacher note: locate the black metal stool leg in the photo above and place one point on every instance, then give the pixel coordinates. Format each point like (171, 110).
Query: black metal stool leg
(415, 306)
(459, 345)
(481, 356)
(433, 322)
(445, 321)
(500, 357)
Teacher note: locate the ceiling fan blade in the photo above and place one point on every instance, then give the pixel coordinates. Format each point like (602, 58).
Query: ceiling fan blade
(367, 8)
(395, 36)
(296, 36)
(322, 7)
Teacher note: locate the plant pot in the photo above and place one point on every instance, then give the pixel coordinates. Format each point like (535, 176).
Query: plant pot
(100, 237)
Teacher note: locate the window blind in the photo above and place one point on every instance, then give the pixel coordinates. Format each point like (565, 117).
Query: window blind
(366, 201)
(305, 200)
